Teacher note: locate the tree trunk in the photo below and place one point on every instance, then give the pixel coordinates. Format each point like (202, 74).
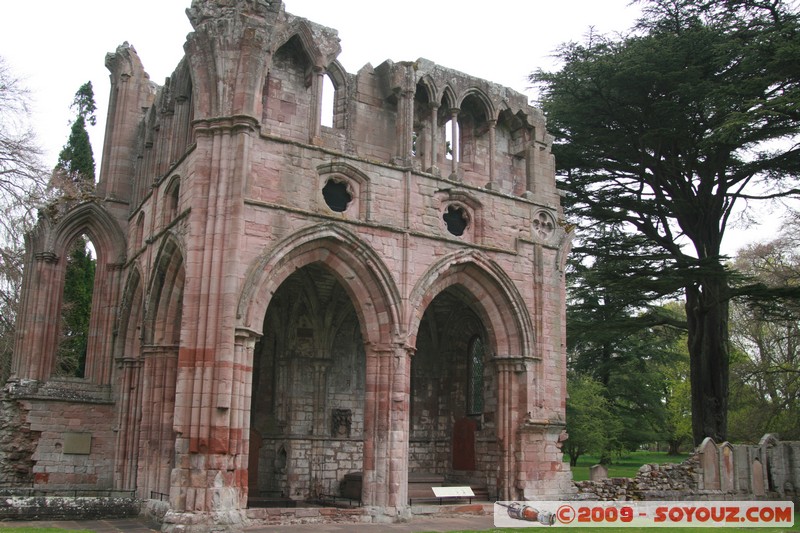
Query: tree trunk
(674, 447)
(707, 315)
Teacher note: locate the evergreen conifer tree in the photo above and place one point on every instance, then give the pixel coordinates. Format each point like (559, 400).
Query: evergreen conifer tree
(74, 174)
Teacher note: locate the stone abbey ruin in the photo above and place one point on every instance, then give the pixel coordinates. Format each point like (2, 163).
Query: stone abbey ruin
(286, 311)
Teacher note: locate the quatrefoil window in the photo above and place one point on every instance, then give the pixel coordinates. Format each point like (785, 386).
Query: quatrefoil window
(543, 225)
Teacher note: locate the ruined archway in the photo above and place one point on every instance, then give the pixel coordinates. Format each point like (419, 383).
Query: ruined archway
(307, 409)
(453, 405)
(161, 340)
(357, 277)
(470, 321)
(128, 354)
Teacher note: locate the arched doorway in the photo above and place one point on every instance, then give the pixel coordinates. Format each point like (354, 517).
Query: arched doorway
(307, 410)
(453, 399)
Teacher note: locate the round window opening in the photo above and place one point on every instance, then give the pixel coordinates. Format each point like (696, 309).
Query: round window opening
(336, 195)
(456, 220)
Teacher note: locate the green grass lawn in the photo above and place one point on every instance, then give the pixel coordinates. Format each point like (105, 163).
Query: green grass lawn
(5, 529)
(794, 528)
(625, 466)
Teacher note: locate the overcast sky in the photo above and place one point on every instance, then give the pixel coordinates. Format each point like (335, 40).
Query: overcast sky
(57, 45)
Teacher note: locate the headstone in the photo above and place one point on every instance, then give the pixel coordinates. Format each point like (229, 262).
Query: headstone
(709, 462)
(598, 472)
(741, 467)
(464, 444)
(758, 479)
(726, 468)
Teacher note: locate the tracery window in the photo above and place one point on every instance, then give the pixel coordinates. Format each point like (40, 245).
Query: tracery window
(475, 376)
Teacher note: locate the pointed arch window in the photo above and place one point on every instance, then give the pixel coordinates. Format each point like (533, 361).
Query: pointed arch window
(76, 309)
(475, 353)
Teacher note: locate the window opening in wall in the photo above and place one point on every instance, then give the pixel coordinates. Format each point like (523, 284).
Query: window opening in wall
(140, 230)
(456, 220)
(328, 94)
(475, 385)
(76, 308)
(448, 143)
(336, 195)
(173, 198)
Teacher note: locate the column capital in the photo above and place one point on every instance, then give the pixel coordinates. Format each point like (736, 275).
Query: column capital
(47, 257)
(514, 363)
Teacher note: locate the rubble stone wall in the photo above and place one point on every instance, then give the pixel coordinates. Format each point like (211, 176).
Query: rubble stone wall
(767, 470)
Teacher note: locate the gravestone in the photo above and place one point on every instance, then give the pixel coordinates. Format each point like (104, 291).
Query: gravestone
(709, 462)
(758, 478)
(598, 472)
(727, 470)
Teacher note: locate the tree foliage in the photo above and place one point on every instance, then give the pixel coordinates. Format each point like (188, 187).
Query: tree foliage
(632, 347)
(22, 186)
(75, 311)
(765, 371)
(74, 178)
(591, 423)
(75, 165)
(661, 134)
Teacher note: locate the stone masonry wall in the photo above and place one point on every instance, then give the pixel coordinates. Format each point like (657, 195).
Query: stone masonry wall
(17, 444)
(58, 465)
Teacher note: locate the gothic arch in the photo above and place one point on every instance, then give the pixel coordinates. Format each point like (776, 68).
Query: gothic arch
(95, 221)
(128, 355)
(448, 100)
(493, 294)
(358, 268)
(162, 317)
(338, 75)
(320, 54)
(480, 97)
(129, 319)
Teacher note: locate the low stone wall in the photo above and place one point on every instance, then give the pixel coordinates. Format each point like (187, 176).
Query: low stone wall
(769, 470)
(653, 482)
(66, 508)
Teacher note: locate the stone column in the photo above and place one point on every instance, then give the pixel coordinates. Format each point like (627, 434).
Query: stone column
(492, 150)
(315, 115)
(404, 89)
(129, 423)
(105, 304)
(434, 127)
(37, 320)
(508, 372)
(156, 433)
(386, 428)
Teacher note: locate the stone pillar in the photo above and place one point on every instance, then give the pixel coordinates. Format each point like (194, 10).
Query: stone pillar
(404, 89)
(434, 127)
(129, 423)
(492, 150)
(540, 469)
(215, 363)
(131, 95)
(508, 371)
(105, 304)
(37, 320)
(386, 428)
(156, 433)
(315, 115)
